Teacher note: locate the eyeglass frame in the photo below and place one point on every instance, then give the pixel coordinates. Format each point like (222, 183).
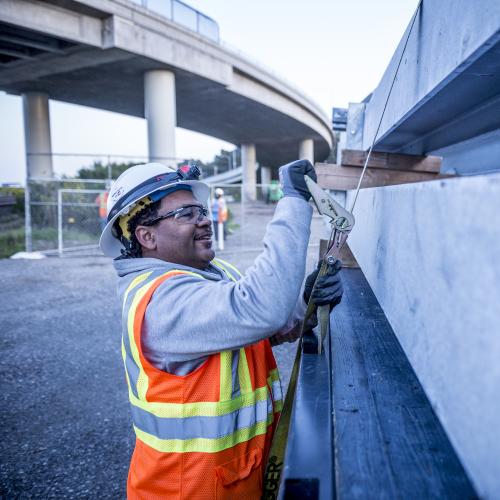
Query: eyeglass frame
(203, 213)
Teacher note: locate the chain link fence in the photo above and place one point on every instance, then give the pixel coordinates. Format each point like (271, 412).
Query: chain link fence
(62, 212)
(64, 215)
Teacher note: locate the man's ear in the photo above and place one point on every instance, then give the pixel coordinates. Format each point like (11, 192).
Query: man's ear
(146, 237)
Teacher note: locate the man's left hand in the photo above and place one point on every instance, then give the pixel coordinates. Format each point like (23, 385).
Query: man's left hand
(329, 287)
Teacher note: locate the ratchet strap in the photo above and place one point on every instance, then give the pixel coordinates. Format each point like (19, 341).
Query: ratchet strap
(272, 475)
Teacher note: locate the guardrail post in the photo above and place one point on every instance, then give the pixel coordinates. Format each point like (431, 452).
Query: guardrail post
(28, 242)
(59, 223)
(220, 235)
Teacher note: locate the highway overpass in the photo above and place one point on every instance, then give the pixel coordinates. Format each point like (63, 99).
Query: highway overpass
(123, 57)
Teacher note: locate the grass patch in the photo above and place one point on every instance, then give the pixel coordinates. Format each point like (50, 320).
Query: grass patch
(11, 241)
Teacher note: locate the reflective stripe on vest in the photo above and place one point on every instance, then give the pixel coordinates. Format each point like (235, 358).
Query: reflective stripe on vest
(275, 384)
(240, 414)
(136, 377)
(229, 269)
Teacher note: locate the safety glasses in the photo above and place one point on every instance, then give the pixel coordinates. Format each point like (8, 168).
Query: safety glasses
(191, 214)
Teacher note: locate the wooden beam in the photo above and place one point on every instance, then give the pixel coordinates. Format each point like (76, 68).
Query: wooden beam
(331, 176)
(392, 161)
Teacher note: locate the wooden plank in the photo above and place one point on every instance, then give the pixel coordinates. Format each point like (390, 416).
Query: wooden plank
(392, 161)
(388, 441)
(331, 176)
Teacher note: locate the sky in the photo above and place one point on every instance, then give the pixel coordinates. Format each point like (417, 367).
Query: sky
(334, 51)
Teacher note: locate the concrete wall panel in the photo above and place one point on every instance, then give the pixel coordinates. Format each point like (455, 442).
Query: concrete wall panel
(355, 125)
(439, 48)
(480, 154)
(431, 253)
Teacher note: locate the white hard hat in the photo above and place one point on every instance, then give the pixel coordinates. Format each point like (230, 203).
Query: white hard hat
(134, 184)
(219, 191)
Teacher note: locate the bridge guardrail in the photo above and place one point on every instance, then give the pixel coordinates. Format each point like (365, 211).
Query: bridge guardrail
(186, 16)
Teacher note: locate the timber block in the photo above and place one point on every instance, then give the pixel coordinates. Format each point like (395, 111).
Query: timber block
(392, 161)
(344, 178)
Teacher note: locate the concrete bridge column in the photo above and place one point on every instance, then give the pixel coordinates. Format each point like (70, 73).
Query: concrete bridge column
(160, 114)
(37, 134)
(265, 179)
(248, 161)
(265, 175)
(306, 150)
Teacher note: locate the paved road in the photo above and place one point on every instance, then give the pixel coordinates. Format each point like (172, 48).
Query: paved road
(66, 430)
(65, 423)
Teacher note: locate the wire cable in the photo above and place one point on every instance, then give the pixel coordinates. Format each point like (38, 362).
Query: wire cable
(385, 105)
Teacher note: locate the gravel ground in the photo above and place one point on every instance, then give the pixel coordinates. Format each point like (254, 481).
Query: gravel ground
(66, 429)
(66, 426)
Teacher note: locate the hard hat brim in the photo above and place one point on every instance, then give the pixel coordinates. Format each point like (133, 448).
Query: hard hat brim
(112, 247)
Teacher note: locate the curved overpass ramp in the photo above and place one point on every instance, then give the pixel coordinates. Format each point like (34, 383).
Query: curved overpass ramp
(96, 53)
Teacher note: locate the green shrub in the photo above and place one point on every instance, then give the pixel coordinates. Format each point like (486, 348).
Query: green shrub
(11, 241)
(18, 193)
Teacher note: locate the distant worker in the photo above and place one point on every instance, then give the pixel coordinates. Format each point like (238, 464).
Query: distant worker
(203, 383)
(219, 213)
(102, 202)
(274, 193)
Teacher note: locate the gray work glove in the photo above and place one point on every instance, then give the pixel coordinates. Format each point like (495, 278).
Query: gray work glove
(292, 179)
(329, 287)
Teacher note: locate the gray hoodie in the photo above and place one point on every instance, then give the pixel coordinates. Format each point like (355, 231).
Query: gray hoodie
(189, 318)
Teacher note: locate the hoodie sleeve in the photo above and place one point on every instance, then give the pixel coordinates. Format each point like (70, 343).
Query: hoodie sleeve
(290, 331)
(190, 317)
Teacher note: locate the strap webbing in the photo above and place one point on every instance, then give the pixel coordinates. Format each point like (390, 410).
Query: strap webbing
(272, 476)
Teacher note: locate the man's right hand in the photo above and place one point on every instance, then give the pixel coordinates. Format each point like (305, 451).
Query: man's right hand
(292, 179)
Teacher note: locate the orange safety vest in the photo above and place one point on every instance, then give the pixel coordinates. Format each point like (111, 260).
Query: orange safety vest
(204, 435)
(222, 212)
(102, 201)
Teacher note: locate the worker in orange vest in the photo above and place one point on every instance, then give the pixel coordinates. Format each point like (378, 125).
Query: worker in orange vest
(202, 380)
(219, 212)
(102, 202)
